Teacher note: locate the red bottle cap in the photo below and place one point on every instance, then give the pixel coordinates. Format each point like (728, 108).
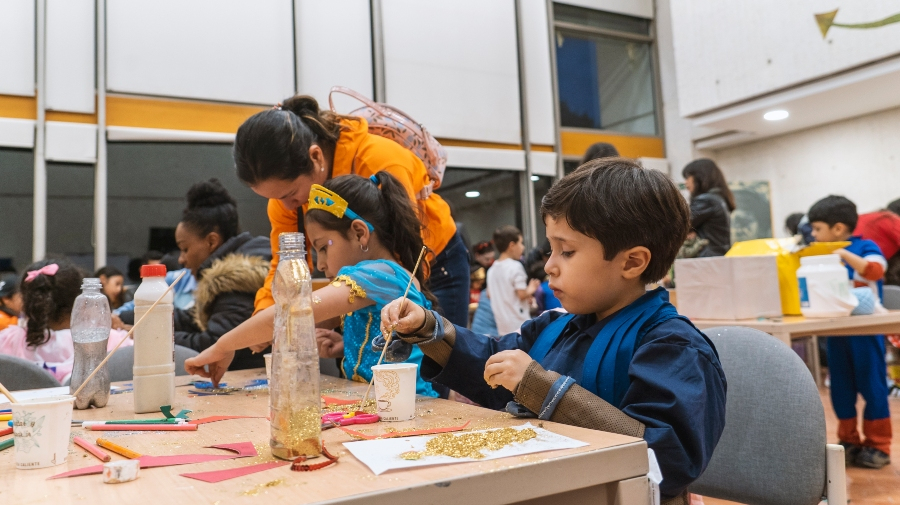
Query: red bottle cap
(153, 271)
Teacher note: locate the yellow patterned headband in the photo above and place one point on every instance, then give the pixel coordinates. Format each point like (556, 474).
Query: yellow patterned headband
(329, 201)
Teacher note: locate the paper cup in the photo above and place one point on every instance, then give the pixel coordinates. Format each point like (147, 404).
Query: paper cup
(395, 391)
(268, 358)
(41, 429)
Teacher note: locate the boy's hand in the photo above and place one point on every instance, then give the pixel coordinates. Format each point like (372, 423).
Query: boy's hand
(410, 320)
(217, 360)
(330, 343)
(533, 287)
(506, 369)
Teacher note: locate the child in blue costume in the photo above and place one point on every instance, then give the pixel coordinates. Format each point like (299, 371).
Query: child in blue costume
(366, 236)
(622, 360)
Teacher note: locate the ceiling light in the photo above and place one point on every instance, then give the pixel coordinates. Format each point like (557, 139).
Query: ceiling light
(472, 194)
(535, 178)
(776, 115)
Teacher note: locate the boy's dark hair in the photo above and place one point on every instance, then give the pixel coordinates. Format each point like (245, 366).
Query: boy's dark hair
(833, 210)
(152, 255)
(894, 206)
(599, 150)
(535, 270)
(504, 236)
(622, 205)
(792, 223)
(211, 209)
(48, 298)
(708, 177)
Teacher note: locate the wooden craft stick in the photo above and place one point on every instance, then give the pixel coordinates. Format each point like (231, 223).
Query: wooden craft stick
(130, 332)
(118, 449)
(7, 394)
(143, 427)
(387, 338)
(87, 446)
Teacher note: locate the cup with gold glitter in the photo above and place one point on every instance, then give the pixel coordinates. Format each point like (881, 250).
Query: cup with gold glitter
(395, 391)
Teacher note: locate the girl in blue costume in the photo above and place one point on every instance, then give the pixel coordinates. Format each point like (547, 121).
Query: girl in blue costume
(366, 237)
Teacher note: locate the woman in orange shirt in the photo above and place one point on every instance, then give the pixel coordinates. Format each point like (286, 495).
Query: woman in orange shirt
(281, 153)
(10, 300)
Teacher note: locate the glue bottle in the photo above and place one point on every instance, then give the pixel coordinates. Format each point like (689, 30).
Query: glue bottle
(154, 343)
(294, 402)
(91, 323)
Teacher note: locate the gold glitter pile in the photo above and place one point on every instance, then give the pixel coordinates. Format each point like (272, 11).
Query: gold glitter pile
(296, 433)
(253, 491)
(470, 445)
(369, 407)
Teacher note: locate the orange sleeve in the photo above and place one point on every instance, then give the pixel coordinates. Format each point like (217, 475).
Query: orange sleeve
(282, 220)
(873, 272)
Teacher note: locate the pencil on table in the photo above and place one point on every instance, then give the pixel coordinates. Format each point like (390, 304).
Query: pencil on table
(87, 446)
(118, 449)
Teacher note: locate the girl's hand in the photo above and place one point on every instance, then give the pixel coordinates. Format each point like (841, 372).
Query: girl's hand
(330, 343)
(217, 361)
(506, 368)
(409, 320)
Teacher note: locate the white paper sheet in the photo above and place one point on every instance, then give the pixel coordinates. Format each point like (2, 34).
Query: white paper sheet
(383, 455)
(33, 394)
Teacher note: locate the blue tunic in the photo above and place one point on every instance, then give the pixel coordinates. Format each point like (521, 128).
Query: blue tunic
(676, 384)
(382, 282)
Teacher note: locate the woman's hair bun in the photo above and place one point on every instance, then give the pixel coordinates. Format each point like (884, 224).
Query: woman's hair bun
(209, 193)
(302, 105)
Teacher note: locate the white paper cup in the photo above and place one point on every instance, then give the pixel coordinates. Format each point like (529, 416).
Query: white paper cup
(395, 391)
(41, 429)
(268, 358)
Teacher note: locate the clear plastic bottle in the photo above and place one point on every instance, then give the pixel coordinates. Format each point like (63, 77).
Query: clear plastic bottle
(91, 322)
(154, 342)
(294, 401)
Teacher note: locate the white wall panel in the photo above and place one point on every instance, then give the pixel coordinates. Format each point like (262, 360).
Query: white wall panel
(637, 8)
(324, 60)
(481, 158)
(17, 133)
(727, 52)
(228, 50)
(70, 55)
(543, 163)
(17, 47)
(72, 142)
(452, 65)
(538, 76)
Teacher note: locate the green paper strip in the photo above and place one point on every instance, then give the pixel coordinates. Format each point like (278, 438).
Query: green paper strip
(167, 411)
(6, 444)
(144, 421)
(825, 21)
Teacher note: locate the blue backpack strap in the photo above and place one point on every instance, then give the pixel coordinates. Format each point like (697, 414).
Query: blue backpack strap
(548, 337)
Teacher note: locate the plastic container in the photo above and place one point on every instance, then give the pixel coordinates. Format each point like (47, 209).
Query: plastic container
(824, 287)
(294, 401)
(154, 343)
(91, 323)
(41, 428)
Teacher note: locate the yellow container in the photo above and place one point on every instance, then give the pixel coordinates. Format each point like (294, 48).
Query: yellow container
(787, 256)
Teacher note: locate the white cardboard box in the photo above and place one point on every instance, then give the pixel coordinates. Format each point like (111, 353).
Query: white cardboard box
(743, 287)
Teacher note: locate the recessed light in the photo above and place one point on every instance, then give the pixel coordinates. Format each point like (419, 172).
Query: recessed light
(535, 178)
(776, 115)
(472, 194)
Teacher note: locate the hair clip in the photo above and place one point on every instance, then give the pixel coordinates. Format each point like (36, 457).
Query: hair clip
(277, 106)
(50, 270)
(374, 178)
(329, 201)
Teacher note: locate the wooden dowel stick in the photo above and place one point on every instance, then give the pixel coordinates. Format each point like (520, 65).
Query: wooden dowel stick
(387, 339)
(116, 348)
(7, 394)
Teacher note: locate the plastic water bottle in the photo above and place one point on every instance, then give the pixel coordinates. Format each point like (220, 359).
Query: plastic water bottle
(294, 402)
(91, 322)
(154, 343)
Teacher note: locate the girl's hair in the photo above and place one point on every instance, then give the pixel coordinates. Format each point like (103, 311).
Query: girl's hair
(707, 176)
(211, 209)
(48, 298)
(108, 271)
(386, 206)
(274, 143)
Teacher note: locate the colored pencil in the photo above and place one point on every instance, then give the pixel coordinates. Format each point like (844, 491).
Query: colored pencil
(5, 432)
(6, 444)
(87, 446)
(142, 427)
(118, 449)
(5, 417)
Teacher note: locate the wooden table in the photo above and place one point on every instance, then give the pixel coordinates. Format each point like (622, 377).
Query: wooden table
(611, 470)
(790, 328)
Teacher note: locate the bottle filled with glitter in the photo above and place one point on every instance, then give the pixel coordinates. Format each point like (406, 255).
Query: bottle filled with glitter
(294, 402)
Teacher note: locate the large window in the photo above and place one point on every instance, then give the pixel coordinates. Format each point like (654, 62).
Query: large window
(605, 71)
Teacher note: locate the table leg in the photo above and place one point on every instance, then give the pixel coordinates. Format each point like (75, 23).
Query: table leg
(784, 336)
(816, 365)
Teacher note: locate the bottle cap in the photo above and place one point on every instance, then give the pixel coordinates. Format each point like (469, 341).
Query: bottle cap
(153, 271)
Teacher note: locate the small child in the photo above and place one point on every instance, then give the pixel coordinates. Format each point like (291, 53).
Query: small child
(857, 364)
(113, 282)
(510, 290)
(10, 301)
(622, 360)
(49, 289)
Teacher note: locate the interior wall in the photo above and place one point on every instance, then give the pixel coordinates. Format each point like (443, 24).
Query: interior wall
(858, 158)
(16, 189)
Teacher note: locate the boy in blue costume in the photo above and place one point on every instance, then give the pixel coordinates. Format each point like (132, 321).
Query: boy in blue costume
(622, 360)
(857, 364)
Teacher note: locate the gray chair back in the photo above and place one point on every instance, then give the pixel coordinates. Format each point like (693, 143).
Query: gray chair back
(890, 297)
(772, 451)
(18, 374)
(121, 365)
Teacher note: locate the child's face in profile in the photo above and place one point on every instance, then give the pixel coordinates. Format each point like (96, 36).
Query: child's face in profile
(824, 233)
(334, 250)
(585, 282)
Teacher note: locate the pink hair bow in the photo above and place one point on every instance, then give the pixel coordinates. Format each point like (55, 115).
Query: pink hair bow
(50, 269)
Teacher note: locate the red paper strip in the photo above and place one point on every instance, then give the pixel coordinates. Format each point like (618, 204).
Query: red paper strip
(231, 473)
(329, 400)
(242, 450)
(213, 419)
(398, 434)
(143, 427)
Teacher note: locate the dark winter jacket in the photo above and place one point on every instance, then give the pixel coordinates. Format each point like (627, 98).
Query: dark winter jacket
(711, 220)
(226, 287)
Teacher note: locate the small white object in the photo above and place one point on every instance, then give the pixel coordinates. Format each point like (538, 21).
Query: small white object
(825, 287)
(268, 358)
(473, 194)
(776, 115)
(654, 475)
(395, 391)
(41, 429)
(116, 472)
